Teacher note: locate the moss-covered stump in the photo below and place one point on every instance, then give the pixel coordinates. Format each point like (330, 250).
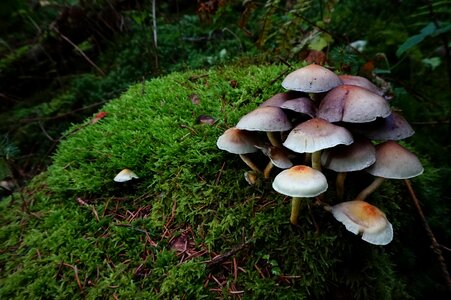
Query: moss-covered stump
(190, 227)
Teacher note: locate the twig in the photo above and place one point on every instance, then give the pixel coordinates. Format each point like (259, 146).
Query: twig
(259, 271)
(154, 22)
(77, 279)
(223, 257)
(80, 51)
(278, 77)
(45, 132)
(234, 35)
(435, 245)
(235, 270)
(445, 248)
(431, 122)
(155, 37)
(218, 177)
(93, 209)
(62, 115)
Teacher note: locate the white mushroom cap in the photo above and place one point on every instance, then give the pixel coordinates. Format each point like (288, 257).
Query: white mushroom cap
(300, 181)
(357, 156)
(360, 217)
(278, 156)
(316, 134)
(362, 82)
(353, 104)
(395, 162)
(267, 119)
(238, 141)
(302, 105)
(278, 99)
(311, 79)
(125, 175)
(394, 127)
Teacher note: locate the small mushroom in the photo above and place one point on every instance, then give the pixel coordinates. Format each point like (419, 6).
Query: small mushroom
(240, 142)
(299, 182)
(361, 82)
(394, 127)
(360, 217)
(125, 175)
(353, 104)
(277, 157)
(342, 159)
(301, 105)
(251, 177)
(314, 135)
(311, 79)
(269, 119)
(392, 161)
(278, 99)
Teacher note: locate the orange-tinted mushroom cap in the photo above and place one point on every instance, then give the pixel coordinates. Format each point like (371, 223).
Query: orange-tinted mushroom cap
(360, 217)
(300, 181)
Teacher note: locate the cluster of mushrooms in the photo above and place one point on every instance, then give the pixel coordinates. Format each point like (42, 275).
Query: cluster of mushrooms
(339, 122)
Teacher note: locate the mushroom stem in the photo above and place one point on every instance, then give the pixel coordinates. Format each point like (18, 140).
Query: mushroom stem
(273, 139)
(340, 184)
(250, 163)
(295, 208)
(250, 177)
(316, 97)
(268, 169)
(371, 188)
(316, 160)
(307, 158)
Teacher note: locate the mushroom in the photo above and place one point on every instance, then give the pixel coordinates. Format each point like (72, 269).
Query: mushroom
(314, 135)
(342, 159)
(125, 175)
(311, 79)
(361, 82)
(353, 104)
(240, 142)
(299, 182)
(277, 157)
(278, 99)
(301, 105)
(251, 177)
(394, 127)
(392, 161)
(360, 217)
(269, 119)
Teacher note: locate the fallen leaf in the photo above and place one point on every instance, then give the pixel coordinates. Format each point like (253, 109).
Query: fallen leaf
(194, 99)
(317, 57)
(180, 244)
(206, 120)
(99, 116)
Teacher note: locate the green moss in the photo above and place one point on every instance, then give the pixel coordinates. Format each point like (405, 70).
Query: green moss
(153, 238)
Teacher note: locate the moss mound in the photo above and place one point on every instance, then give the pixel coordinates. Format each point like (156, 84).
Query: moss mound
(190, 227)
